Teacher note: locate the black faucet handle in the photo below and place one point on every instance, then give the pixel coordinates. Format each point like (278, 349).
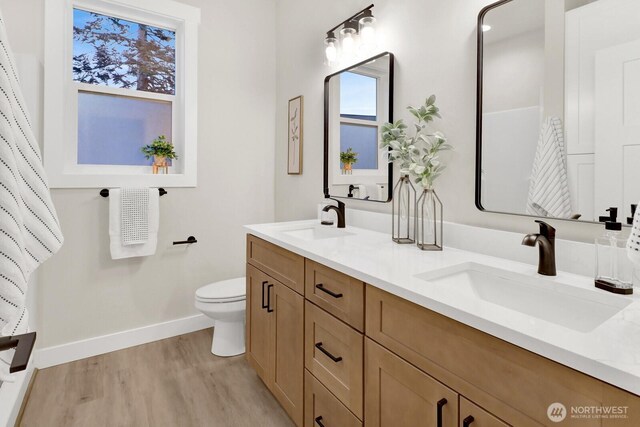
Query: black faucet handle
(546, 230)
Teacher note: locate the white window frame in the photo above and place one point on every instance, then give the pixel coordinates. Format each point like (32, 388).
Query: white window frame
(61, 95)
(374, 176)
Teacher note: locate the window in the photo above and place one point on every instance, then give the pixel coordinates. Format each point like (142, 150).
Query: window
(128, 75)
(358, 96)
(361, 114)
(358, 109)
(364, 141)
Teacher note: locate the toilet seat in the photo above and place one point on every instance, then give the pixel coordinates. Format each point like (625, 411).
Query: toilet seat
(232, 290)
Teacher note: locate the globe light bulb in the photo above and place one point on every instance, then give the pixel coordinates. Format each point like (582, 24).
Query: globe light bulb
(368, 35)
(348, 44)
(331, 52)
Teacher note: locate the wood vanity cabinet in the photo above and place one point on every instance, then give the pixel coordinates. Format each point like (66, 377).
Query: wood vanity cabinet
(275, 328)
(400, 395)
(348, 354)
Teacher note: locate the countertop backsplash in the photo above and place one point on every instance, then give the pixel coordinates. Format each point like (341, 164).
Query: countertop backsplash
(571, 256)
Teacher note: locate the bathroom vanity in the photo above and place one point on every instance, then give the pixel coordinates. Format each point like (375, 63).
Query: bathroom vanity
(347, 328)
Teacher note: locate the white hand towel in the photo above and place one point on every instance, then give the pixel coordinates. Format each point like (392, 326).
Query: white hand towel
(134, 215)
(549, 188)
(29, 228)
(144, 247)
(633, 244)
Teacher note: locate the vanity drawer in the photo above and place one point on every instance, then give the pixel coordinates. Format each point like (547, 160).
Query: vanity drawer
(475, 416)
(333, 353)
(337, 293)
(282, 265)
(321, 405)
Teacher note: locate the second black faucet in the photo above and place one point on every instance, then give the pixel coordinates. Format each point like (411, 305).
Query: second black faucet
(340, 212)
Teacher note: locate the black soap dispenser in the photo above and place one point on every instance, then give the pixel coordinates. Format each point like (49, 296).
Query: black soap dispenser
(634, 207)
(612, 217)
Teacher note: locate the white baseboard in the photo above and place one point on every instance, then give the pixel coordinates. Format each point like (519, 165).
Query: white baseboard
(52, 356)
(12, 395)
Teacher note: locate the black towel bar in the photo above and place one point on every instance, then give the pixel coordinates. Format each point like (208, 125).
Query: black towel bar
(105, 192)
(189, 241)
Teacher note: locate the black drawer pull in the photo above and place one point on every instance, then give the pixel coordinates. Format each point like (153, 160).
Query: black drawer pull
(318, 421)
(441, 403)
(263, 304)
(326, 353)
(269, 309)
(327, 291)
(467, 421)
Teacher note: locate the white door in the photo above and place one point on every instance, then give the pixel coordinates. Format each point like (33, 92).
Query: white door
(617, 128)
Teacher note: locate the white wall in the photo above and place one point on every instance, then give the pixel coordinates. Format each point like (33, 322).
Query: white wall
(82, 293)
(514, 72)
(435, 46)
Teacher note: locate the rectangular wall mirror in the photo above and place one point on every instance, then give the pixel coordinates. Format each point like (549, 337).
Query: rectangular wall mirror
(559, 108)
(357, 102)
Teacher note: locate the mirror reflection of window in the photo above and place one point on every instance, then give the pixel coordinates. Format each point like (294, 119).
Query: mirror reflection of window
(357, 104)
(358, 118)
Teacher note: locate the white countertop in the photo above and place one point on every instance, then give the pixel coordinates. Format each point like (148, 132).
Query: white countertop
(610, 352)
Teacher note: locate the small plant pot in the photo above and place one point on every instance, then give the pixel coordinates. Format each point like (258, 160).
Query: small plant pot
(159, 162)
(347, 169)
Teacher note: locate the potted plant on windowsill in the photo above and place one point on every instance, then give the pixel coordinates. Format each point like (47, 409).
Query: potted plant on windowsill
(161, 150)
(348, 158)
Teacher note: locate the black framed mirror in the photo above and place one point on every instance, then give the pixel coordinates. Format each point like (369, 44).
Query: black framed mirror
(357, 101)
(558, 117)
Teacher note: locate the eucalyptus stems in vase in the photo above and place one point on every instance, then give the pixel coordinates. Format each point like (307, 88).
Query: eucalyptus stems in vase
(417, 156)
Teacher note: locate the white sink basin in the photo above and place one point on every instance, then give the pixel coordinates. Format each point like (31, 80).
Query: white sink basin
(576, 308)
(318, 232)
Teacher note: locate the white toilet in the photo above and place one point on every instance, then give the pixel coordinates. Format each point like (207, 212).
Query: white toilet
(224, 302)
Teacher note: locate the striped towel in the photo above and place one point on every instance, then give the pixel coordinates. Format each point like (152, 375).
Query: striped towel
(29, 228)
(633, 244)
(548, 187)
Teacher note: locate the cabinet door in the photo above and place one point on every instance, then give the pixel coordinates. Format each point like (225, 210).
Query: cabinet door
(288, 349)
(258, 324)
(400, 395)
(471, 415)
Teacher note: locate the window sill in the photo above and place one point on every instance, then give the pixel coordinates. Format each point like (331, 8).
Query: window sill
(138, 180)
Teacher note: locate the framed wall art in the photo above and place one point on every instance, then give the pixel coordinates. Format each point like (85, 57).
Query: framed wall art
(295, 121)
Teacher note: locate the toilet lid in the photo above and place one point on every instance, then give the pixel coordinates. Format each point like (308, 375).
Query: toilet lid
(224, 291)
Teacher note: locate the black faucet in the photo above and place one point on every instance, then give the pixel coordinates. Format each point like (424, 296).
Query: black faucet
(546, 241)
(339, 212)
(23, 345)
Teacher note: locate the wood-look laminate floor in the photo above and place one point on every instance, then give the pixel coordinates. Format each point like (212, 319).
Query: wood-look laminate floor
(173, 382)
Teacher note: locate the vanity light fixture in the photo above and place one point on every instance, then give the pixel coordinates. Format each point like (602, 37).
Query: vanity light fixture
(367, 29)
(331, 48)
(357, 38)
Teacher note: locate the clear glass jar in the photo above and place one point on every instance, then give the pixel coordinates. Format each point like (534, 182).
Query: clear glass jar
(612, 264)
